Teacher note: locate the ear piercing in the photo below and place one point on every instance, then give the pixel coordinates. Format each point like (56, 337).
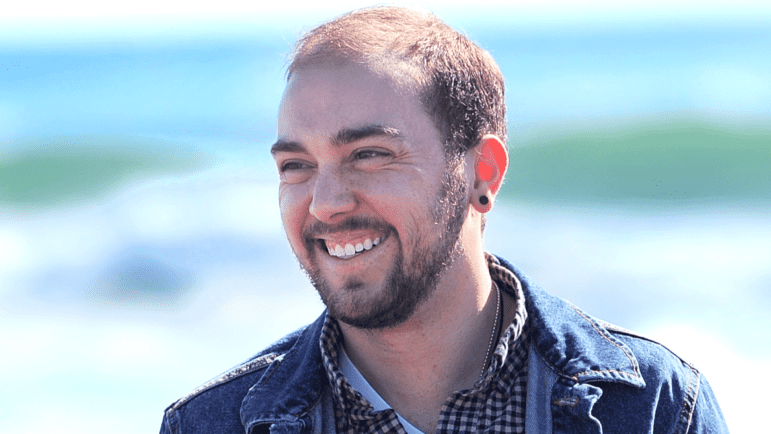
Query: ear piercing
(483, 200)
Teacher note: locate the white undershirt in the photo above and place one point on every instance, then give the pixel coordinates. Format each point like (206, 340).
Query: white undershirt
(360, 384)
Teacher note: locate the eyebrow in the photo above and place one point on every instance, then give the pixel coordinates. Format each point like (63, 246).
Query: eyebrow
(343, 137)
(349, 135)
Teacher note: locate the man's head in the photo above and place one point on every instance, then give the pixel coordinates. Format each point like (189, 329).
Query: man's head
(459, 84)
(376, 187)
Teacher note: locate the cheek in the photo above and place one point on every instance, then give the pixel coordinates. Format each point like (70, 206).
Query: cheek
(294, 205)
(407, 207)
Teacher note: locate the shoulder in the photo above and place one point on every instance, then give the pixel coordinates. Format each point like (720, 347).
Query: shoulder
(655, 360)
(641, 381)
(215, 405)
(250, 367)
(581, 347)
(658, 365)
(676, 393)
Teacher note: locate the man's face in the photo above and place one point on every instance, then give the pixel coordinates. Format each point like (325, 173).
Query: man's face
(368, 205)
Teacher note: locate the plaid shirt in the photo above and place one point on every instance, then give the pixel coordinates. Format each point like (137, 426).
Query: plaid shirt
(496, 403)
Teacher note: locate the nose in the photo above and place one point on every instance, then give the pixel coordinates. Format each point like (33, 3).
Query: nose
(332, 196)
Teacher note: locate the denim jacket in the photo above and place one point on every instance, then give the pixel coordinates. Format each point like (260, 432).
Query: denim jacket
(584, 376)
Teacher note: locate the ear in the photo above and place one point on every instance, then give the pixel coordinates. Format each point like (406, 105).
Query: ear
(492, 160)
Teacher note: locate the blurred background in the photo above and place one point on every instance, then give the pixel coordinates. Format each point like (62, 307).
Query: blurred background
(141, 250)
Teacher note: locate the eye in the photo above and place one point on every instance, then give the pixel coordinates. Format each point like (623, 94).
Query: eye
(294, 171)
(364, 154)
(292, 165)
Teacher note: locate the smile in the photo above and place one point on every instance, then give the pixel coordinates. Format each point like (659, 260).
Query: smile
(351, 248)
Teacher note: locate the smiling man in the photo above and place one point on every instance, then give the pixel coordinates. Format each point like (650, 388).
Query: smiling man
(391, 149)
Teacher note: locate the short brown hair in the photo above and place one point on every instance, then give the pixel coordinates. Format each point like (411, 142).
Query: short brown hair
(459, 84)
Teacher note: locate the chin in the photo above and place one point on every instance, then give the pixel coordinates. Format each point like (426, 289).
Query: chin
(376, 306)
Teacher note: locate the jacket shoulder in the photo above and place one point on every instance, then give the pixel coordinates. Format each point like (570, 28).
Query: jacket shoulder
(250, 366)
(657, 363)
(684, 400)
(634, 375)
(219, 399)
(643, 346)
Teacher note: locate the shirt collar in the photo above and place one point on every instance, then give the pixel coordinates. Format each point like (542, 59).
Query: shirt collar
(351, 402)
(357, 408)
(509, 283)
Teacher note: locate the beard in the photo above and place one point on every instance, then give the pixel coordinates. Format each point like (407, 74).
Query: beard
(405, 287)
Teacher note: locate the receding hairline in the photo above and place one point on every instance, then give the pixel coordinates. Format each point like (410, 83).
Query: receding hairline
(458, 82)
(376, 40)
(403, 77)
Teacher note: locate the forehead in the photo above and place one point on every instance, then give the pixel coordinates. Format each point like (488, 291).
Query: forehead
(322, 99)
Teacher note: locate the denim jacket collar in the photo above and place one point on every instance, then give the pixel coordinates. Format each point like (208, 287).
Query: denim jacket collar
(573, 344)
(291, 386)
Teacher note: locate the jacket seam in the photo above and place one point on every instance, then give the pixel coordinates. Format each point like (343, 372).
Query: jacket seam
(271, 369)
(607, 371)
(551, 367)
(602, 333)
(689, 404)
(622, 331)
(227, 377)
(305, 416)
(270, 417)
(172, 421)
(280, 358)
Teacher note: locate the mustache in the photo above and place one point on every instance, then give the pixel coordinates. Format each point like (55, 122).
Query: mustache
(353, 223)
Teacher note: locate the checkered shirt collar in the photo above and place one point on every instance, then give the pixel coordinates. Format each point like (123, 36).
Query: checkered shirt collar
(496, 403)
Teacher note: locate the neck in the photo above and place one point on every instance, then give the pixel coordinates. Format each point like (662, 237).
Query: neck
(440, 349)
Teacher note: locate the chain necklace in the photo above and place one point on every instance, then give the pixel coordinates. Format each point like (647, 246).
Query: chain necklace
(494, 333)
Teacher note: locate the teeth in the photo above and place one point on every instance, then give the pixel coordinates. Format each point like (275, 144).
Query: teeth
(349, 249)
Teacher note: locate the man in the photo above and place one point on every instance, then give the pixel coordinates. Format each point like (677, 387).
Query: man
(391, 150)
